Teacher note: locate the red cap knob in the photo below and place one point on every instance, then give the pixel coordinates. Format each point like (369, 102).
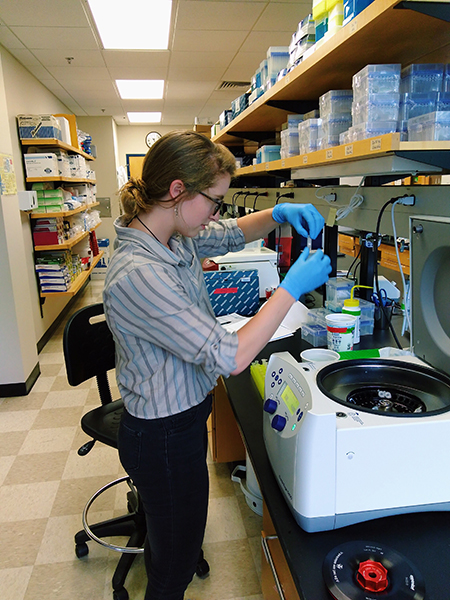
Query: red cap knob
(372, 576)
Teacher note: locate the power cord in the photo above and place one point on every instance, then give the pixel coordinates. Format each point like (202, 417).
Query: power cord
(256, 198)
(343, 211)
(402, 275)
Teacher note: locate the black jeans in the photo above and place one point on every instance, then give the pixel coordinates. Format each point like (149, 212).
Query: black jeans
(166, 459)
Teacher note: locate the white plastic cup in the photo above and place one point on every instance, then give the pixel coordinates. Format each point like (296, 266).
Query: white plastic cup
(319, 355)
(340, 332)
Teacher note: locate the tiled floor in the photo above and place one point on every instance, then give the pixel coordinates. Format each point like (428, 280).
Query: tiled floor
(44, 486)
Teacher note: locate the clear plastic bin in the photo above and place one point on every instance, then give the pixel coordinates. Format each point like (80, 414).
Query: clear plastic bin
(413, 105)
(315, 334)
(336, 102)
(308, 133)
(376, 107)
(277, 59)
(443, 101)
(366, 327)
(333, 125)
(422, 78)
(433, 127)
(289, 143)
(446, 81)
(317, 316)
(363, 131)
(376, 79)
(338, 288)
(268, 153)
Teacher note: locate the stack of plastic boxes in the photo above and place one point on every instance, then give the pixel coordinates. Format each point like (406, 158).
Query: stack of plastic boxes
(277, 60)
(308, 135)
(336, 116)
(338, 289)
(376, 101)
(302, 39)
(425, 102)
(239, 104)
(289, 137)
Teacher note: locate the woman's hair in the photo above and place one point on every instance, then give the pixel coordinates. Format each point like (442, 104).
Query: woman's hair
(186, 155)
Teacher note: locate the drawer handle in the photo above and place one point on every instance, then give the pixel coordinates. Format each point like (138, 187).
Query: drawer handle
(269, 559)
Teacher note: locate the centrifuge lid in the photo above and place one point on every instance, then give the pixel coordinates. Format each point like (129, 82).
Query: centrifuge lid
(430, 290)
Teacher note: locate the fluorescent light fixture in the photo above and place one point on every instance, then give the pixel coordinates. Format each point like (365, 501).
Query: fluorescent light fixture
(132, 25)
(140, 89)
(144, 117)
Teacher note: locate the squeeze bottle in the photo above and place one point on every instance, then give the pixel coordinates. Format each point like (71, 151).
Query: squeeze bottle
(352, 307)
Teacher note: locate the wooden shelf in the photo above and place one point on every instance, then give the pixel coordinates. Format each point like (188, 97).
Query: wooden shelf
(67, 179)
(434, 156)
(66, 213)
(66, 245)
(380, 34)
(56, 144)
(78, 283)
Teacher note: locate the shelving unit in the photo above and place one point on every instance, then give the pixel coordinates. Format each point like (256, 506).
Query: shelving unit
(78, 283)
(384, 32)
(54, 143)
(65, 213)
(66, 245)
(50, 143)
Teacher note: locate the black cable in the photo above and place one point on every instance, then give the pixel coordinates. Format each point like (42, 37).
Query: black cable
(377, 284)
(258, 194)
(355, 259)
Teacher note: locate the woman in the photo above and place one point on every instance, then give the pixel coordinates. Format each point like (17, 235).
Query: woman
(170, 348)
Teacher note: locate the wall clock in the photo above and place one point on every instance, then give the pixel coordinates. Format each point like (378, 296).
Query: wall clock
(151, 138)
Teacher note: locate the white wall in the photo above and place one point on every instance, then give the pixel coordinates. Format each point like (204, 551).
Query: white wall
(26, 95)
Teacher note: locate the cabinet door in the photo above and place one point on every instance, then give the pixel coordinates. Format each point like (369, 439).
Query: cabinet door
(275, 572)
(225, 439)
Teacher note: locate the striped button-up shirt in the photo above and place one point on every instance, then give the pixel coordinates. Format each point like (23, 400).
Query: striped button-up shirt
(170, 349)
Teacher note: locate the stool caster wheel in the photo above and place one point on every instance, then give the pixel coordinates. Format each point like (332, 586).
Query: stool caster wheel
(81, 550)
(121, 594)
(202, 569)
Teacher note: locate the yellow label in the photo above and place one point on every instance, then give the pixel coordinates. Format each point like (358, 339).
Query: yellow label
(331, 218)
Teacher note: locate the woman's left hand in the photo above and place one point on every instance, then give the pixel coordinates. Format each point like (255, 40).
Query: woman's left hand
(305, 218)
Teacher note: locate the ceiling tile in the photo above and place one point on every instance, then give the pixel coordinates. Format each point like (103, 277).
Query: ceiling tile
(194, 74)
(282, 17)
(50, 13)
(203, 15)
(216, 60)
(243, 66)
(258, 41)
(56, 37)
(57, 57)
(203, 41)
(70, 72)
(189, 91)
(134, 59)
(8, 39)
(148, 72)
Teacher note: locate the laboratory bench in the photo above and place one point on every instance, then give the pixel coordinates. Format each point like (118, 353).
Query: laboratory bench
(423, 538)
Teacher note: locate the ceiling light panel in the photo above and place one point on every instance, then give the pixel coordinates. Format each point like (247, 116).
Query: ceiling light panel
(134, 24)
(144, 117)
(140, 89)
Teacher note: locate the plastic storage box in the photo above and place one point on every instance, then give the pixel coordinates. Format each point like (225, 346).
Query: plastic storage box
(315, 334)
(308, 133)
(376, 107)
(336, 102)
(363, 131)
(268, 153)
(413, 105)
(289, 143)
(433, 127)
(338, 288)
(376, 79)
(422, 78)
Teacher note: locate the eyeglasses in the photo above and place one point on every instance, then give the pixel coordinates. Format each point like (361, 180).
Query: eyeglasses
(217, 202)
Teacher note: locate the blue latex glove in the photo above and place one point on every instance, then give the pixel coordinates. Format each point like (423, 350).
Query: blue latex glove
(305, 218)
(307, 273)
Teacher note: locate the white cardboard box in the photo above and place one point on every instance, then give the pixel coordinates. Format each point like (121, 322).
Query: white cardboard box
(41, 165)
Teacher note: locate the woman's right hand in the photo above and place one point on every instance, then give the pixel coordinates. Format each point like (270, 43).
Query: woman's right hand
(307, 273)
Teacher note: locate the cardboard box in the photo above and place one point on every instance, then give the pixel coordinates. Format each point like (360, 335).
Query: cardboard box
(41, 165)
(39, 126)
